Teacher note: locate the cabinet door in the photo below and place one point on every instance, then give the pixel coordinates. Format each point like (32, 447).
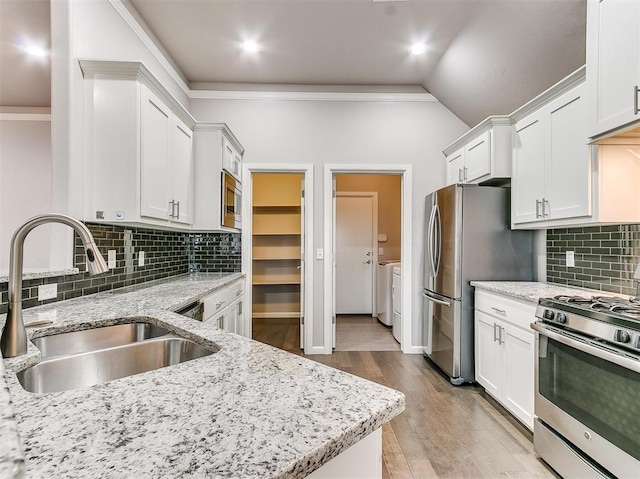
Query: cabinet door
(568, 165)
(528, 170)
(519, 360)
(229, 159)
(455, 167)
(613, 63)
(477, 155)
(156, 119)
(487, 353)
(240, 323)
(181, 173)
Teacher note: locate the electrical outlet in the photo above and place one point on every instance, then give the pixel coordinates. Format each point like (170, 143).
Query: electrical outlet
(140, 258)
(111, 259)
(47, 291)
(571, 259)
(380, 251)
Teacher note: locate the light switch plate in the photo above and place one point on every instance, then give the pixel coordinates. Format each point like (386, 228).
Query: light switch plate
(380, 251)
(140, 258)
(571, 259)
(111, 258)
(47, 291)
(319, 253)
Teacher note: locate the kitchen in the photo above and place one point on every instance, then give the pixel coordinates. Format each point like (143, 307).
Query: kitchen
(247, 119)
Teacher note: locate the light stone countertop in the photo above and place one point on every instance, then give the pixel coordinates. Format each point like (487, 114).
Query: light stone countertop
(532, 291)
(4, 275)
(248, 410)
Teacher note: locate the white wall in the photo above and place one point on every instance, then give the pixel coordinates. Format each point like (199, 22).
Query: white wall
(320, 132)
(25, 179)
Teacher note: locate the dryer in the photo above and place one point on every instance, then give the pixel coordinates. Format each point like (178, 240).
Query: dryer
(384, 301)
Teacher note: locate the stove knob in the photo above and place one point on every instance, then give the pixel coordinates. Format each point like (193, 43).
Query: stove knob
(561, 318)
(549, 314)
(622, 336)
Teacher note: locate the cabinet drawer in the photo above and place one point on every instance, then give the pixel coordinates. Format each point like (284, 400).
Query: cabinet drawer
(218, 300)
(517, 312)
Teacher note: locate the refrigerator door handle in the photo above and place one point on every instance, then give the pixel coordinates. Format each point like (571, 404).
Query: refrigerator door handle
(430, 244)
(436, 300)
(438, 240)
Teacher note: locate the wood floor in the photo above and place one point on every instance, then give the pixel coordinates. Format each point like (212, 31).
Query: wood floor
(445, 431)
(363, 333)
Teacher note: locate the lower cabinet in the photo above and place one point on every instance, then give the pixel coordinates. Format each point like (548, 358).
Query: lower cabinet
(225, 308)
(505, 352)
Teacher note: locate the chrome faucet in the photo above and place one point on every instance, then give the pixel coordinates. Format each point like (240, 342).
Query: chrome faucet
(14, 337)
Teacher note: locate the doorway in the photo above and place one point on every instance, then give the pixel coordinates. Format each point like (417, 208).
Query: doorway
(274, 242)
(367, 227)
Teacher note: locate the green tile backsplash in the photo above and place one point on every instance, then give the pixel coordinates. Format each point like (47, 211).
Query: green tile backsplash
(167, 253)
(605, 257)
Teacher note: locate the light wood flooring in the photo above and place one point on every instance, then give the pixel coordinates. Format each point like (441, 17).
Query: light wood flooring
(363, 333)
(445, 431)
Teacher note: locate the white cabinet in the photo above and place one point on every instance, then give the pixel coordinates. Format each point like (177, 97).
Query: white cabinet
(138, 143)
(215, 149)
(165, 161)
(482, 154)
(225, 308)
(552, 161)
(505, 352)
(613, 64)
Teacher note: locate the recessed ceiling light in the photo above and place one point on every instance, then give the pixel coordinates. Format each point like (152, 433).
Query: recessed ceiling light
(35, 51)
(418, 48)
(250, 46)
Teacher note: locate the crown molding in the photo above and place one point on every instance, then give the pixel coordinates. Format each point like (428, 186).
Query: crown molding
(564, 85)
(224, 128)
(148, 42)
(310, 96)
(484, 125)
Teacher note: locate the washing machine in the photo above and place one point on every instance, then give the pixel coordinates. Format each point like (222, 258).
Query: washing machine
(384, 302)
(396, 301)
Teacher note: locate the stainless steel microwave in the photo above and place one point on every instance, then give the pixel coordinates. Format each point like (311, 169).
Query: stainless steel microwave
(231, 201)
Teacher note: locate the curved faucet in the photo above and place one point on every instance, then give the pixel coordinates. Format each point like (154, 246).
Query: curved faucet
(14, 337)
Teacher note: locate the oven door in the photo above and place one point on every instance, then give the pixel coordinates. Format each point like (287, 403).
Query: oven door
(589, 394)
(231, 199)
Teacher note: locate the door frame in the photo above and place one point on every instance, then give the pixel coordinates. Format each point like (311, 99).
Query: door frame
(246, 234)
(405, 172)
(374, 249)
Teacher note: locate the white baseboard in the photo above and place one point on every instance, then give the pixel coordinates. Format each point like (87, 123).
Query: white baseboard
(413, 350)
(317, 350)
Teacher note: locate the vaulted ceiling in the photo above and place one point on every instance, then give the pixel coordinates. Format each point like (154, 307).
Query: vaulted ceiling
(485, 56)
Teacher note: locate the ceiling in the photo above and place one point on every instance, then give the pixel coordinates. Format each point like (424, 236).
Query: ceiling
(485, 56)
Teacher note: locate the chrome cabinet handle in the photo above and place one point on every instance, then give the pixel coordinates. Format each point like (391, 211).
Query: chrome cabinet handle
(500, 331)
(219, 304)
(464, 170)
(538, 202)
(495, 330)
(172, 204)
(547, 208)
(178, 205)
(459, 175)
(498, 310)
(636, 91)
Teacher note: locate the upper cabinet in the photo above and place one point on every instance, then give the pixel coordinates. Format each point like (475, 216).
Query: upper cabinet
(613, 60)
(482, 154)
(215, 149)
(139, 167)
(558, 178)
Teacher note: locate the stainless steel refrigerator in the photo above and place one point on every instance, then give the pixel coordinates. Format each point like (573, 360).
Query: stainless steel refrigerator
(467, 237)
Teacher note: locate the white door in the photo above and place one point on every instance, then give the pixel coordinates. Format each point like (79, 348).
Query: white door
(528, 170)
(354, 254)
(488, 353)
(455, 167)
(519, 378)
(181, 173)
(477, 156)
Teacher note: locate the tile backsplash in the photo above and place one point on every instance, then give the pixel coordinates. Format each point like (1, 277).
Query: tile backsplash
(167, 253)
(605, 257)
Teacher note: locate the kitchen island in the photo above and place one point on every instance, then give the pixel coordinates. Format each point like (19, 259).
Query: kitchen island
(248, 410)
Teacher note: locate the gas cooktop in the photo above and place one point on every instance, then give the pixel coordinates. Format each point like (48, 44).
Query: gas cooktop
(612, 319)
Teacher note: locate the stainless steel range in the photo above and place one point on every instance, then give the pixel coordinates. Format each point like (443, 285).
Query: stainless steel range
(588, 386)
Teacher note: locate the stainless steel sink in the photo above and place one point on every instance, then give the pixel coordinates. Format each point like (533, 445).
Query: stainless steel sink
(96, 338)
(94, 367)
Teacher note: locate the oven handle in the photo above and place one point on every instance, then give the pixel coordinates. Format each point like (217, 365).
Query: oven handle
(618, 359)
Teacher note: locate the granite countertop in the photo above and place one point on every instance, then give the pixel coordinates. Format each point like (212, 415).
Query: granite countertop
(4, 275)
(249, 410)
(532, 291)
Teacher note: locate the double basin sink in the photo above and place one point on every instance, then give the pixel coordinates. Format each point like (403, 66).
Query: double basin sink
(84, 358)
